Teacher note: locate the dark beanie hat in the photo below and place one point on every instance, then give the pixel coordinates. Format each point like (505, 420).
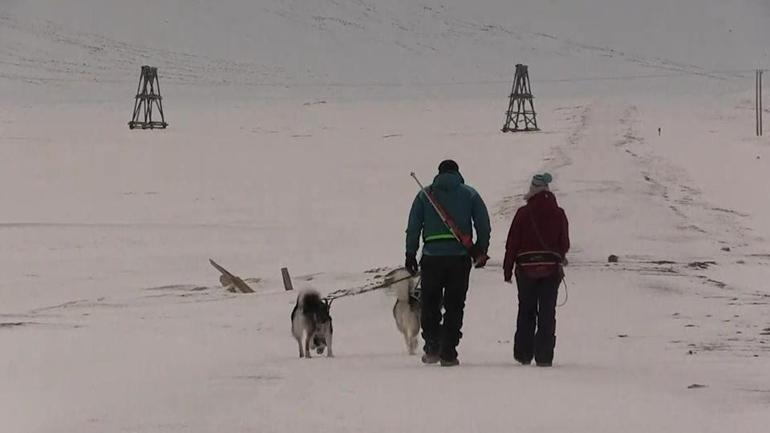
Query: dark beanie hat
(448, 165)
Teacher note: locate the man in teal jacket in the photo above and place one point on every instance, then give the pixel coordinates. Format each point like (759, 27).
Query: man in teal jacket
(446, 263)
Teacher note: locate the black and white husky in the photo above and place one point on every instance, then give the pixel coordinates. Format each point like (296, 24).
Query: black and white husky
(311, 324)
(407, 309)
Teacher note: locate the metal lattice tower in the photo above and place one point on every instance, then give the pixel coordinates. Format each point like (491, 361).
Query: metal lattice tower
(147, 100)
(518, 118)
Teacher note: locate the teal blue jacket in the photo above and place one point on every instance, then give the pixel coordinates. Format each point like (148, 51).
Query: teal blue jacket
(463, 204)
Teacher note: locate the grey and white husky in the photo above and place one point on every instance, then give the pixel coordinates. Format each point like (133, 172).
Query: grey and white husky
(311, 324)
(407, 309)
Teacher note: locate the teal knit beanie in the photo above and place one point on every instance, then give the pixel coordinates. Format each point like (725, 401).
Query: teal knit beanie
(541, 179)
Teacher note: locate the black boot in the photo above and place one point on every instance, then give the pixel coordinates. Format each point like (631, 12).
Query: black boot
(430, 358)
(450, 362)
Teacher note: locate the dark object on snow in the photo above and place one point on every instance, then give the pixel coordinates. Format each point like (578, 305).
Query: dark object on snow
(14, 324)
(612, 258)
(696, 386)
(231, 282)
(518, 118)
(726, 249)
(286, 280)
(147, 99)
(701, 265)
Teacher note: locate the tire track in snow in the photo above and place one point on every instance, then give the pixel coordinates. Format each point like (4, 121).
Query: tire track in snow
(579, 119)
(672, 183)
(622, 183)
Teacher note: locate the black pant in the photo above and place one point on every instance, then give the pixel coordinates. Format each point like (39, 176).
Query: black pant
(444, 282)
(537, 308)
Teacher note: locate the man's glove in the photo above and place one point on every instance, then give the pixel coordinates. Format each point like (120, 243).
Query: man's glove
(478, 255)
(481, 261)
(411, 264)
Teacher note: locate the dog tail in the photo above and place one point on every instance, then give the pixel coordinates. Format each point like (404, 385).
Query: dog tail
(309, 301)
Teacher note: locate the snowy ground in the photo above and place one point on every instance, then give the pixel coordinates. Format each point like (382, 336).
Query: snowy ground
(116, 322)
(112, 320)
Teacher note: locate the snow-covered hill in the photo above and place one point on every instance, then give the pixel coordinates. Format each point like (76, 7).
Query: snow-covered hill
(351, 43)
(294, 126)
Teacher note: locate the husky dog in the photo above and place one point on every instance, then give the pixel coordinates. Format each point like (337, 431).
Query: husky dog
(311, 324)
(407, 309)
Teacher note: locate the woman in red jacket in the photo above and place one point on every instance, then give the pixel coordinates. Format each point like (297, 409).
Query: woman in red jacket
(537, 244)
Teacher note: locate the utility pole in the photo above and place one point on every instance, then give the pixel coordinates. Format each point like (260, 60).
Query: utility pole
(758, 99)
